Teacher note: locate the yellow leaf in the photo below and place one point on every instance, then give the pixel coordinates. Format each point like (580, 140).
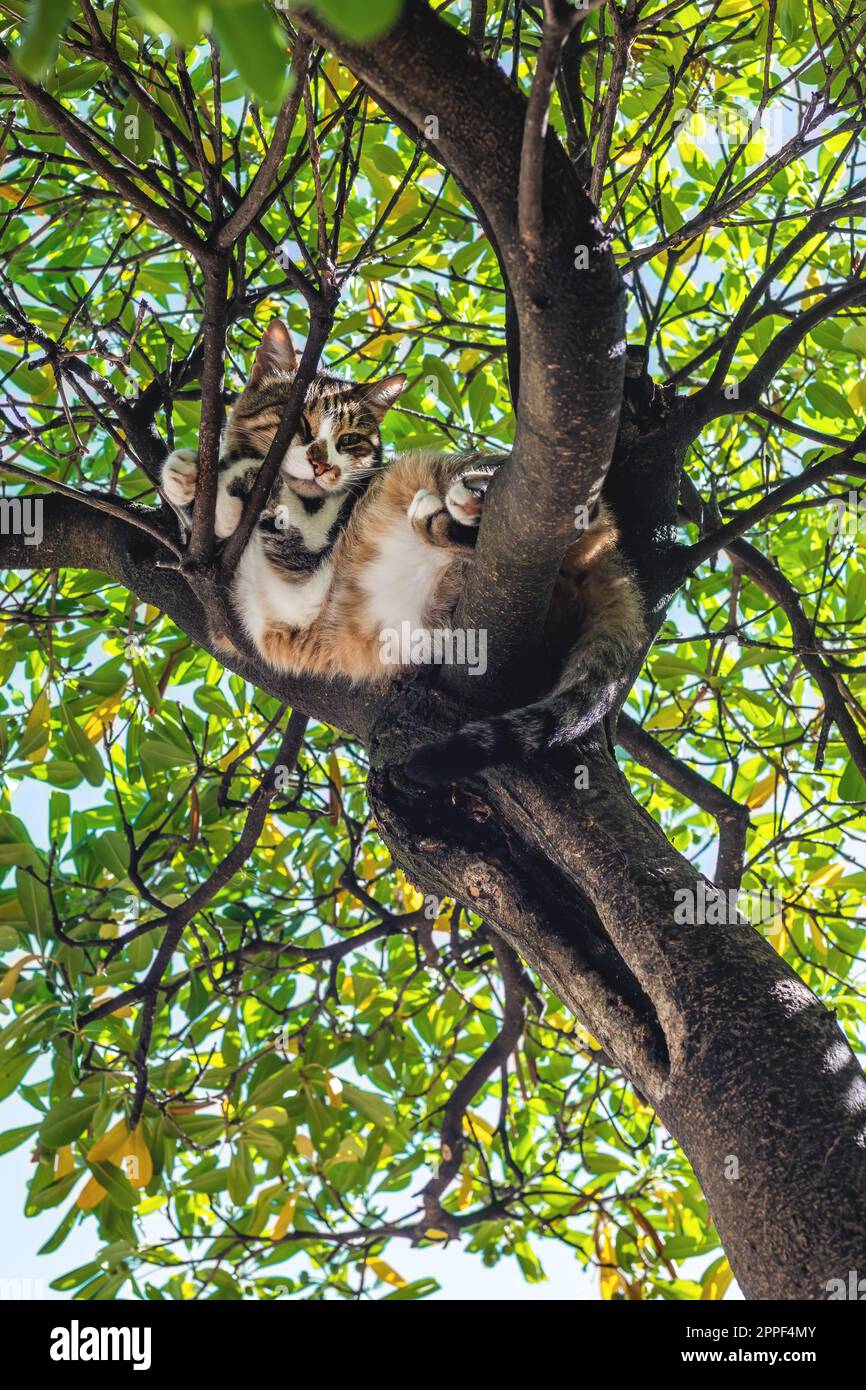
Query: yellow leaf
(813, 280)
(286, 1215)
(124, 1011)
(90, 1195)
(817, 939)
(825, 876)
(384, 1272)
(368, 866)
(304, 1145)
(334, 1087)
(478, 1129)
(64, 1161)
(716, 1285)
(10, 979)
(464, 1196)
(377, 318)
(335, 790)
(331, 72)
(668, 718)
(13, 195)
(140, 1169)
(433, 1234)
(37, 721)
(412, 899)
(857, 394)
(107, 1147)
(610, 1279)
(103, 716)
(762, 791)
(230, 757)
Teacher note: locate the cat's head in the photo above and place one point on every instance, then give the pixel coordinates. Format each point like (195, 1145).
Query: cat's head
(338, 443)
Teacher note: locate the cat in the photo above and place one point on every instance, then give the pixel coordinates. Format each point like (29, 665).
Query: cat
(348, 548)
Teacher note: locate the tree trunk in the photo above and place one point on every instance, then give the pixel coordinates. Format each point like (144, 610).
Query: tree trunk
(747, 1069)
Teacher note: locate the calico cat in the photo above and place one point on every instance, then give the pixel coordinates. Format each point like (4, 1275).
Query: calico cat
(348, 548)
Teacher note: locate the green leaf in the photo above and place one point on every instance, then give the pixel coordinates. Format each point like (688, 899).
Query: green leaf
(112, 852)
(254, 43)
(436, 368)
(46, 20)
(116, 1184)
(134, 133)
(57, 1238)
(66, 1120)
(13, 1137)
(86, 755)
(419, 1288)
(182, 19)
(33, 897)
(852, 785)
(828, 401)
(358, 20)
(372, 1107)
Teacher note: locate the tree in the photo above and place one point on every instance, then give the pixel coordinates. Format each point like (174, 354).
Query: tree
(250, 1008)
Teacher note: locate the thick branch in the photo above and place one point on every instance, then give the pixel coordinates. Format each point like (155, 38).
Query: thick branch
(71, 540)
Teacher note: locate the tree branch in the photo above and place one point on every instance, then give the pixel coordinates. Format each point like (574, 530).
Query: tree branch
(730, 815)
(249, 208)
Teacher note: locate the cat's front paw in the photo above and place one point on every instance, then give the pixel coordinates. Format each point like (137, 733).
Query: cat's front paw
(179, 473)
(424, 505)
(465, 497)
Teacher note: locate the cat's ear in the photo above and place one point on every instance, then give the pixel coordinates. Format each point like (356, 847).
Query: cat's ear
(275, 353)
(381, 395)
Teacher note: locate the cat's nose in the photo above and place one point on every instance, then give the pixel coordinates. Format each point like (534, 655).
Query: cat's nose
(318, 457)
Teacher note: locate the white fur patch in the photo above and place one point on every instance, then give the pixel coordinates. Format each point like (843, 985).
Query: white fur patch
(314, 527)
(400, 581)
(263, 598)
(261, 595)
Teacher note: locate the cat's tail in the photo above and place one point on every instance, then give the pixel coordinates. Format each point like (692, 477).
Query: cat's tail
(588, 688)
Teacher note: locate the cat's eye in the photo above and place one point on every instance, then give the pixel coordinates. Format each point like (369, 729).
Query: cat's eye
(306, 432)
(351, 441)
